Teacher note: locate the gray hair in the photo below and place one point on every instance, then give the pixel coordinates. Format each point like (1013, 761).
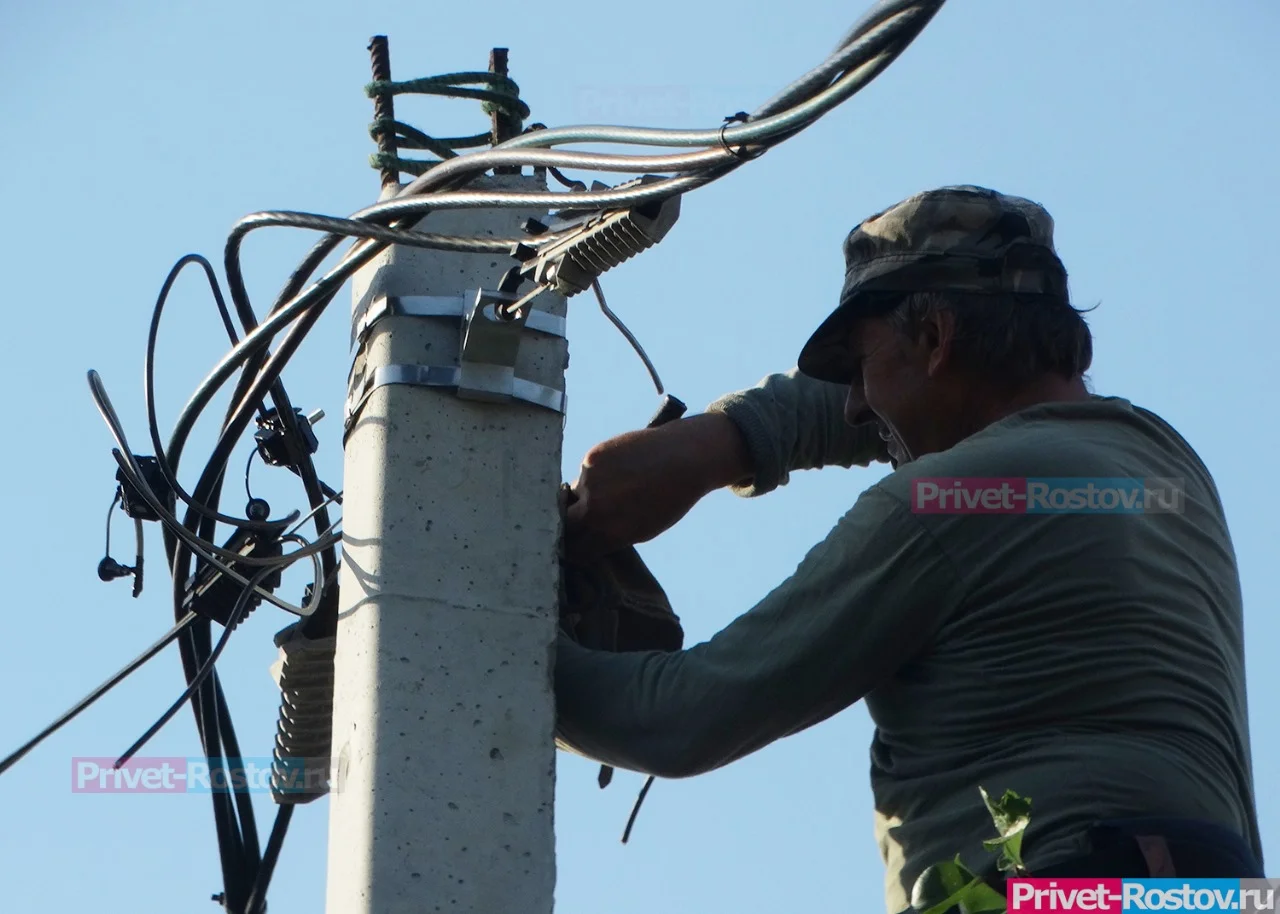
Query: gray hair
(1008, 339)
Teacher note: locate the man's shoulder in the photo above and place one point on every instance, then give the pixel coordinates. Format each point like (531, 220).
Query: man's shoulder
(1099, 437)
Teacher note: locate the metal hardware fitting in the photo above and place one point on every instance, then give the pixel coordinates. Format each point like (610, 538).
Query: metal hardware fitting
(447, 376)
(377, 307)
(489, 347)
(595, 241)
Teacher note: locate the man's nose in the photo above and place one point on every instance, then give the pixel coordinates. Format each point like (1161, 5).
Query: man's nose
(856, 411)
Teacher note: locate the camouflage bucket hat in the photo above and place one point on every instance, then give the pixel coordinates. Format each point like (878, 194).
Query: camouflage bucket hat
(964, 239)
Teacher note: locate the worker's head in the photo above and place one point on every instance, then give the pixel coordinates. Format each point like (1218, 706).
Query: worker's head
(954, 304)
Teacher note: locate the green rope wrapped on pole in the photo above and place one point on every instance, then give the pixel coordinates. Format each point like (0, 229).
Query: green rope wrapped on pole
(500, 95)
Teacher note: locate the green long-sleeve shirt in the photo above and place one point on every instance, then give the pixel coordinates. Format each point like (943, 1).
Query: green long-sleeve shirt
(1091, 661)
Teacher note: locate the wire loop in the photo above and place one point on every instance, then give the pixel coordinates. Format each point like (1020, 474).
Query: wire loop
(741, 152)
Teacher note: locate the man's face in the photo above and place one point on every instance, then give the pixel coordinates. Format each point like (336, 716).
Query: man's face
(892, 386)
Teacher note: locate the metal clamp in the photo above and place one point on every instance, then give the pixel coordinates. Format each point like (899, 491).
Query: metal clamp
(446, 376)
(489, 347)
(583, 245)
(376, 307)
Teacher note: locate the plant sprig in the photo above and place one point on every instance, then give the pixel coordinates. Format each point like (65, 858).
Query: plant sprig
(946, 886)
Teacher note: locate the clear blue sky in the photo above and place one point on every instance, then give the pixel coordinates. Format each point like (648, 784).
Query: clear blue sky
(135, 132)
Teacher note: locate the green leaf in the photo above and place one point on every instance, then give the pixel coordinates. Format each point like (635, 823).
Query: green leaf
(940, 886)
(945, 886)
(1010, 812)
(1011, 815)
(980, 898)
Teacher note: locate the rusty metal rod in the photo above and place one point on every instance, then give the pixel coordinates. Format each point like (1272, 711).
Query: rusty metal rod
(504, 125)
(384, 109)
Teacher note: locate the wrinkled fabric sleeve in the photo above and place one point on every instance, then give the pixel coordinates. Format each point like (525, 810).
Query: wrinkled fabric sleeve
(793, 422)
(861, 603)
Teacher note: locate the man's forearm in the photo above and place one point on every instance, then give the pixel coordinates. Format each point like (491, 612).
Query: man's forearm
(792, 422)
(722, 442)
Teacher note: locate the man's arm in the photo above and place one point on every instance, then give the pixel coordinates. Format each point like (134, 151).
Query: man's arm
(861, 603)
(790, 421)
(634, 486)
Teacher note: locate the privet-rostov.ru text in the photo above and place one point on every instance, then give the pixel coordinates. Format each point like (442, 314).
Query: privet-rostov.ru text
(1069, 896)
(196, 775)
(1022, 495)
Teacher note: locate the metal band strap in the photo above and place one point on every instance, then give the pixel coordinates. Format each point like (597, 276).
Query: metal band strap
(447, 376)
(380, 306)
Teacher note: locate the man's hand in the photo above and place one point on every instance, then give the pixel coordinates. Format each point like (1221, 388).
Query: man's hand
(633, 487)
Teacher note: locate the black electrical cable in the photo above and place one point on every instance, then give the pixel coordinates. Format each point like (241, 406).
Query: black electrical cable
(233, 820)
(217, 556)
(70, 714)
(212, 718)
(237, 612)
(233, 817)
(148, 392)
(114, 501)
(230, 841)
(233, 811)
(248, 465)
(241, 798)
(138, 558)
(213, 721)
(237, 836)
(256, 903)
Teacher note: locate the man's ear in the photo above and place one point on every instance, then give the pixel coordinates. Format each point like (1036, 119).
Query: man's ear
(938, 333)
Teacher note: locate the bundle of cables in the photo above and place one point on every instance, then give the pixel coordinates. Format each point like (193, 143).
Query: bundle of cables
(152, 485)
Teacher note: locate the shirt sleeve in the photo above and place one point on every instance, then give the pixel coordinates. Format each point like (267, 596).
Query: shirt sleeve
(862, 603)
(793, 422)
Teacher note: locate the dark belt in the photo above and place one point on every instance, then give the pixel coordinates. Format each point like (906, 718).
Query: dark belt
(1157, 847)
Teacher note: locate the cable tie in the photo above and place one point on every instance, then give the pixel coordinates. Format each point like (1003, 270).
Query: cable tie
(740, 152)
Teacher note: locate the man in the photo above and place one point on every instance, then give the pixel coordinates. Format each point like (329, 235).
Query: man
(1089, 659)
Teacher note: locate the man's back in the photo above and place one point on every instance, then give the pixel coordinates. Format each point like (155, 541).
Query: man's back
(1093, 660)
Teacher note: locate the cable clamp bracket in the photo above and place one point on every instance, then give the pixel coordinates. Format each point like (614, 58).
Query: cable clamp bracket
(490, 345)
(377, 307)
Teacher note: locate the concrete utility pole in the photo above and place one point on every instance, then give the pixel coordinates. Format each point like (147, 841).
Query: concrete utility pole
(443, 708)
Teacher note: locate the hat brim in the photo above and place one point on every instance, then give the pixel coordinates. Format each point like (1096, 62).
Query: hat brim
(827, 356)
